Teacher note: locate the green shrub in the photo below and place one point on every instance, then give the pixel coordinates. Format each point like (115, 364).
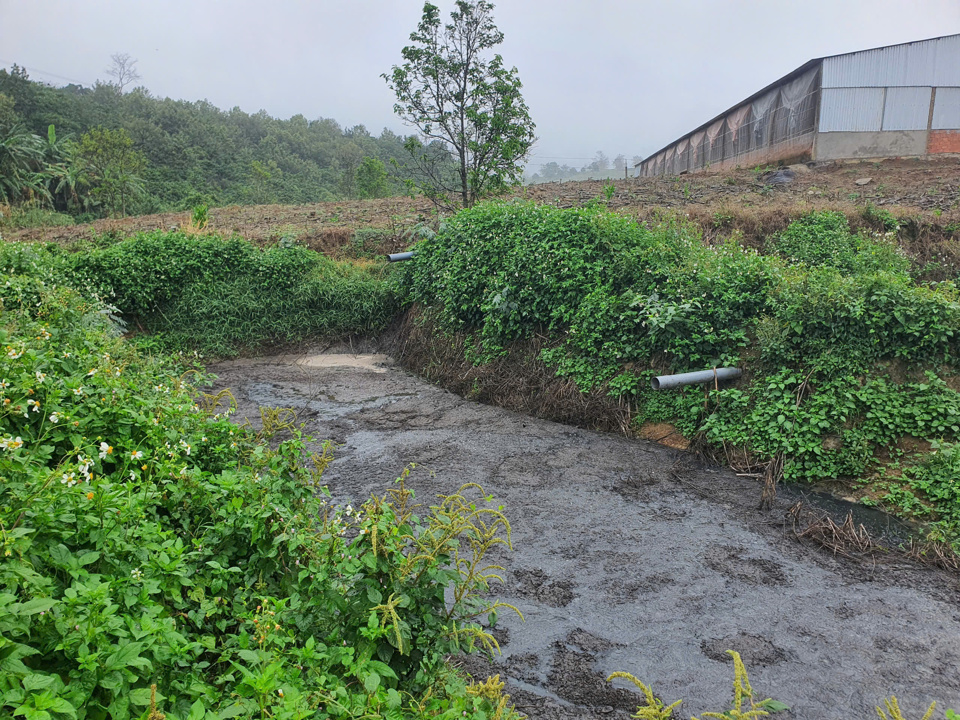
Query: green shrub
(200, 216)
(220, 295)
(817, 324)
(823, 239)
(930, 489)
(365, 242)
(508, 269)
(790, 413)
(28, 217)
(147, 542)
(880, 217)
(859, 319)
(698, 313)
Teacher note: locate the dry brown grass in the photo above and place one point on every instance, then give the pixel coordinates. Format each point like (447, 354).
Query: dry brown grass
(772, 474)
(934, 552)
(322, 225)
(924, 194)
(664, 434)
(853, 540)
(847, 538)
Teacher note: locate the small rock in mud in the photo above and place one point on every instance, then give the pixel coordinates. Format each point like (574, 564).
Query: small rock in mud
(536, 584)
(731, 562)
(755, 651)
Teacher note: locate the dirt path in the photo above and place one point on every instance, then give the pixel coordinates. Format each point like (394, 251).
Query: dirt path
(626, 561)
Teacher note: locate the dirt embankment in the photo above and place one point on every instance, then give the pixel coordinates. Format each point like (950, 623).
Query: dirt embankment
(326, 227)
(916, 186)
(629, 556)
(925, 193)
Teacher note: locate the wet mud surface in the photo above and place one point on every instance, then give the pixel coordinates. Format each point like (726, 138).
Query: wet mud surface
(630, 556)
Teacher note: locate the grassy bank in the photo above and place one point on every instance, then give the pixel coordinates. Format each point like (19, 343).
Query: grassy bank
(218, 295)
(849, 354)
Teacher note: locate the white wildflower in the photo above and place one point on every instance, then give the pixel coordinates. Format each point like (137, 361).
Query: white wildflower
(83, 467)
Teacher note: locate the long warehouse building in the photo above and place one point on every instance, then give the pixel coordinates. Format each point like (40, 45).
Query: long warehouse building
(893, 101)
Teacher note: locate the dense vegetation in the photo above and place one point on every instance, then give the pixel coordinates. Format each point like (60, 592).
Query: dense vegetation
(172, 155)
(147, 540)
(158, 559)
(218, 295)
(850, 363)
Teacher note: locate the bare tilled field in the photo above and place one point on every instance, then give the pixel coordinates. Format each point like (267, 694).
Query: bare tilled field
(927, 192)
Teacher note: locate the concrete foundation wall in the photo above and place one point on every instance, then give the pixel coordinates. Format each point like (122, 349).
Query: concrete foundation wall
(891, 143)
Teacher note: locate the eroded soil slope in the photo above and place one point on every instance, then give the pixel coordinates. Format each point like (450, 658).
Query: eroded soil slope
(629, 557)
(927, 190)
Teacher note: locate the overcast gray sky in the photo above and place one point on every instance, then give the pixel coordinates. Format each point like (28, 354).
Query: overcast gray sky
(621, 76)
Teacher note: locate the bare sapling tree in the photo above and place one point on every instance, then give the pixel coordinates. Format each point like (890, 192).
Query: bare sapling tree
(123, 70)
(463, 102)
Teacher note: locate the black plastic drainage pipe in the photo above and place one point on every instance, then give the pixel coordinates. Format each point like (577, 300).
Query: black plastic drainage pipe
(666, 382)
(399, 257)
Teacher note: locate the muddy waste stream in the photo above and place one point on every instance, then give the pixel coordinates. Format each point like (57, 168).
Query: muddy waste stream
(631, 556)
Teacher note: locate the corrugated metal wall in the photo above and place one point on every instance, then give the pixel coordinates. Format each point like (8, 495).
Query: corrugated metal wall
(851, 109)
(946, 109)
(890, 88)
(926, 63)
(906, 108)
(883, 90)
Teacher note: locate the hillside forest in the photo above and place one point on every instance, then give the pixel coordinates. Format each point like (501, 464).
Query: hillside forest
(85, 153)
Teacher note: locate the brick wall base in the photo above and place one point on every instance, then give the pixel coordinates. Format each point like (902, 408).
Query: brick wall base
(943, 141)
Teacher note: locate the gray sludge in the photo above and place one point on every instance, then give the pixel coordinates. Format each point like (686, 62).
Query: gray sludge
(629, 556)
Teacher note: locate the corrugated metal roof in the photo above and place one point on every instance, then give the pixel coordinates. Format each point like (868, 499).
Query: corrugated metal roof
(946, 109)
(851, 109)
(906, 108)
(924, 62)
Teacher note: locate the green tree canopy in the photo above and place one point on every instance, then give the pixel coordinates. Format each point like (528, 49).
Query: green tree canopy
(21, 166)
(195, 152)
(455, 95)
(8, 116)
(111, 167)
(372, 179)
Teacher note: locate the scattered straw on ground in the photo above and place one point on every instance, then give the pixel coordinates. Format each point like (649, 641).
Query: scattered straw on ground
(924, 192)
